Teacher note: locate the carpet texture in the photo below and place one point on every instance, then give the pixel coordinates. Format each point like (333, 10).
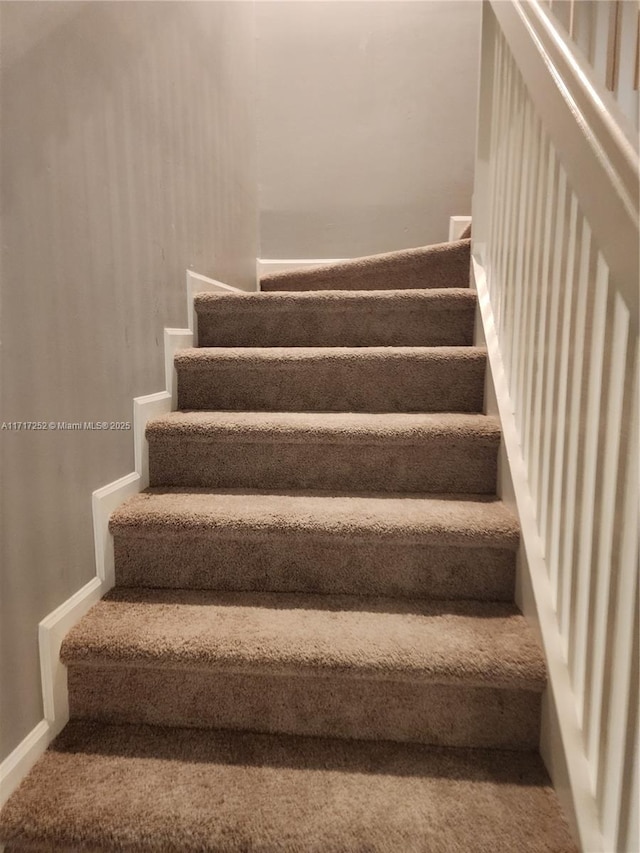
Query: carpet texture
(319, 450)
(467, 643)
(312, 645)
(470, 673)
(433, 318)
(229, 792)
(402, 544)
(336, 379)
(437, 266)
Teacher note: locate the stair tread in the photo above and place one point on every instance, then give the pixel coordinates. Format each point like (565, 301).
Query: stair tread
(469, 642)
(357, 318)
(195, 357)
(436, 298)
(342, 427)
(447, 519)
(140, 787)
(332, 378)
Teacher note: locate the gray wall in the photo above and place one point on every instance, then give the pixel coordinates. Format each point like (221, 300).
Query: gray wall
(127, 156)
(366, 123)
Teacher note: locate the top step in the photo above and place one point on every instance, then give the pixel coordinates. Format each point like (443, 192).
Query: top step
(439, 265)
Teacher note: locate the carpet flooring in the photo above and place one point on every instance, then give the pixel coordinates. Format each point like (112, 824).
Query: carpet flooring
(180, 790)
(438, 317)
(322, 450)
(332, 379)
(312, 644)
(436, 266)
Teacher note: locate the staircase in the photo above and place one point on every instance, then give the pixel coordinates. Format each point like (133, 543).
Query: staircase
(312, 643)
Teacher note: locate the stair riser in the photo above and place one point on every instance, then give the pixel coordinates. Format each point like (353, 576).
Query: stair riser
(299, 563)
(397, 384)
(410, 325)
(445, 715)
(441, 464)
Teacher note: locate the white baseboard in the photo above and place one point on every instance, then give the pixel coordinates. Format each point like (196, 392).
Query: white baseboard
(18, 763)
(54, 627)
(265, 266)
(174, 339)
(103, 502)
(561, 743)
(51, 633)
(457, 224)
(145, 408)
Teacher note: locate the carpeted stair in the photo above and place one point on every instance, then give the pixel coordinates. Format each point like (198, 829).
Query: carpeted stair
(312, 643)
(357, 544)
(444, 265)
(418, 318)
(324, 450)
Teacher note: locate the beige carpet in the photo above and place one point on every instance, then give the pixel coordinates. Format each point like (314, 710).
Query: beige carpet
(336, 379)
(322, 450)
(135, 788)
(463, 674)
(442, 317)
(437, 266)
(312, 645)
(367, 544)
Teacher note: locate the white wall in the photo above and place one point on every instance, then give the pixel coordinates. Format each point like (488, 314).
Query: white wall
(128, 155)
(366, 123)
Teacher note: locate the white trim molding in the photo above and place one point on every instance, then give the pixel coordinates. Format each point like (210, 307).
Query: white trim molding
(562, 745)
(103, 502)
(457, 224)
(54, 627)
(266, 266)
(51, 633)
(145, 408)
(556, 223)
(19, 762)
(593, 148)
(174, 339)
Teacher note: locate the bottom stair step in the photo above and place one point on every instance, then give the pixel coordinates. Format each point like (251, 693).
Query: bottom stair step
(126, 788)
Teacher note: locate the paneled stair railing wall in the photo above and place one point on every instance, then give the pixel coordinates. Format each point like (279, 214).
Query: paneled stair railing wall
(555, 256)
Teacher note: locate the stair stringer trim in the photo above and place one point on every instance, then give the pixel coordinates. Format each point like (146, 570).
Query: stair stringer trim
(265, 266)
(457, 225)
(561, 741)
(54, 627)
